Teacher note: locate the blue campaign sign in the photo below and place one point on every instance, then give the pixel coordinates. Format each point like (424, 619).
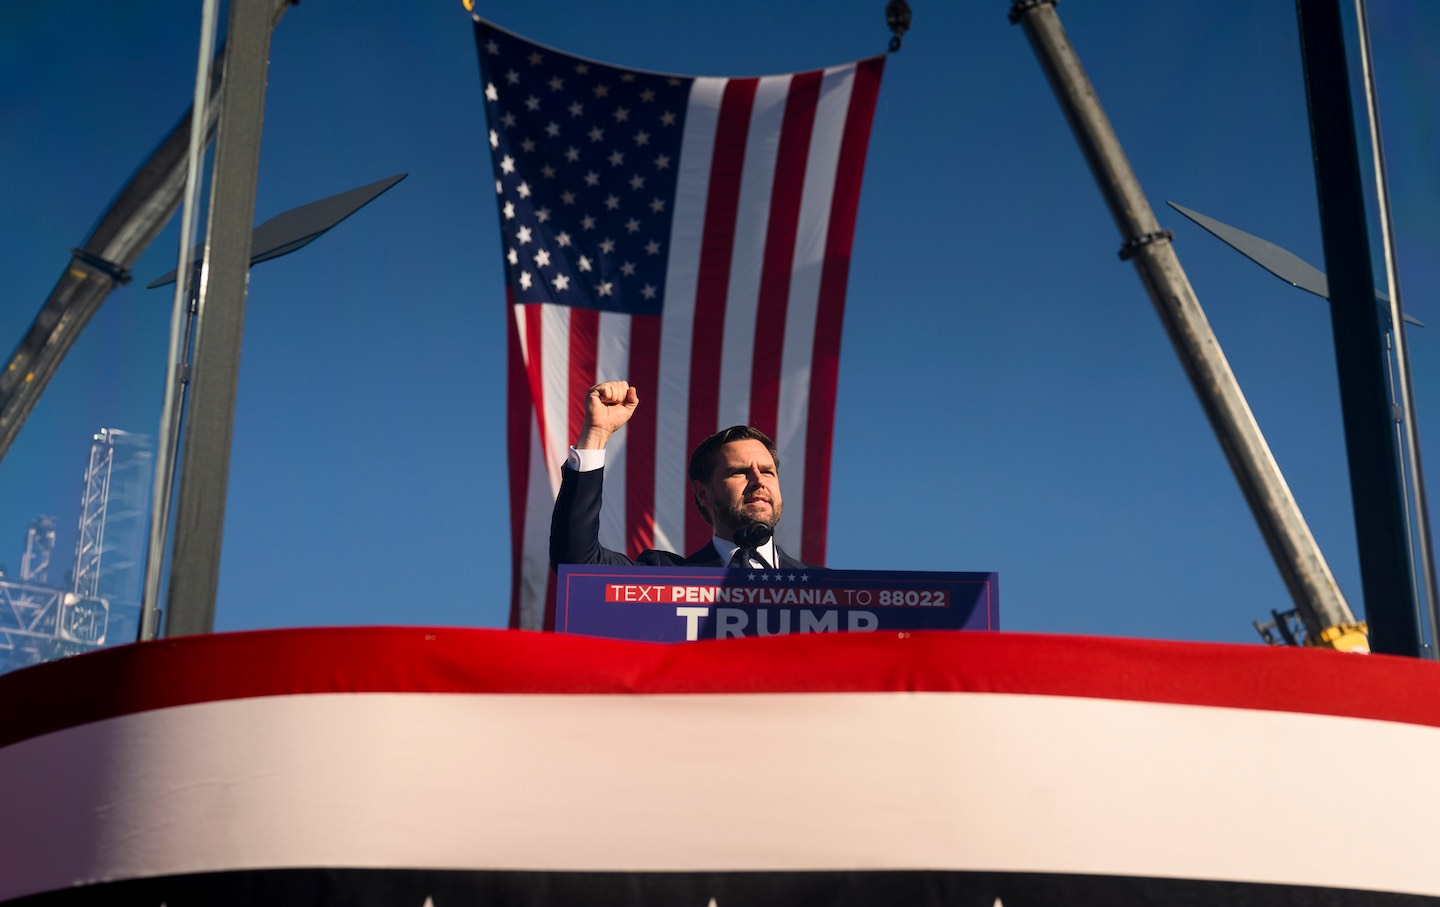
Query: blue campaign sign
(675, 604)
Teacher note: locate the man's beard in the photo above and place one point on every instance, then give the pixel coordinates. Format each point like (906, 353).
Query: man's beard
(736, 515)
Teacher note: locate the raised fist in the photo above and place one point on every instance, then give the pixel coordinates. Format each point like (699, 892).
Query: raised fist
(607, 407)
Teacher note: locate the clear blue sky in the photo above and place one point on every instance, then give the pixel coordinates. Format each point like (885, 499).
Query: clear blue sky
(1008, 399)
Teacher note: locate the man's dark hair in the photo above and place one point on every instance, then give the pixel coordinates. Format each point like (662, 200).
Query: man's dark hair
(707, 452)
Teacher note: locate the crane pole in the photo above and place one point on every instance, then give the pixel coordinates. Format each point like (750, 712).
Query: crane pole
(1328, 619)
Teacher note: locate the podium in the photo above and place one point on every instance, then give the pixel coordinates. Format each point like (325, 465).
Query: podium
(452, 766)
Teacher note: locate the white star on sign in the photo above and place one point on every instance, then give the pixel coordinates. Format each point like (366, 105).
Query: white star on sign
(507, 164)
(490, 93)
(525, 280)
(542, 259)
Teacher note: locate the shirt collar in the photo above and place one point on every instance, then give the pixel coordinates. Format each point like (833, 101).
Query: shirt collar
(726, 549)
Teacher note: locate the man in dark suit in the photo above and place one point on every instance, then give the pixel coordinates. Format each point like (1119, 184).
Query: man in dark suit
(734, 478)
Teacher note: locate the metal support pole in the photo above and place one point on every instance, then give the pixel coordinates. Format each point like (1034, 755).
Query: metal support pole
(210, 412)
(1405, 388)
(1359, 327)
(1327, 617)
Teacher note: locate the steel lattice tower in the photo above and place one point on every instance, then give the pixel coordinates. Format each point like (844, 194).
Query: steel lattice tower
(110, 546)
(39, 548)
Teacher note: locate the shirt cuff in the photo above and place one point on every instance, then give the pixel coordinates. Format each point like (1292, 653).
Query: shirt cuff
(585, 460)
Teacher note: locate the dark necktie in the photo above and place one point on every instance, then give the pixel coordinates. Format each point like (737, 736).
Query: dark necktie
(742, 557)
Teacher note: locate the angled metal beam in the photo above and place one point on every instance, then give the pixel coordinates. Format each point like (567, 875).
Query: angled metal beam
(210, 417)
(1283, 263)
(1296, 553)
(293, 230)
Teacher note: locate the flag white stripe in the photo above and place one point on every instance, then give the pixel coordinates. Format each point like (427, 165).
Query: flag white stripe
(555, 383)
(811, 234)
(747, 259)
(612, 362)
(672, 397)
(535, 545)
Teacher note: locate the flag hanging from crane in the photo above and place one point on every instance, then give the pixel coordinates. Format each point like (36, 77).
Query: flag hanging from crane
(691, 235)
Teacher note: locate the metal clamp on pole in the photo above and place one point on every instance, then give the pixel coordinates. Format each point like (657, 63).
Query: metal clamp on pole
(1143, 240)
(1019, 8)
(110, 269)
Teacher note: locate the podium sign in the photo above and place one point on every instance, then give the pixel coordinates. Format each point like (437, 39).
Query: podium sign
(675, 604)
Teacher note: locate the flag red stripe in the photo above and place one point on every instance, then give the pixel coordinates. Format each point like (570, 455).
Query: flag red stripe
(584, 342)
(518, 412)
(825, 364)
(716, 246)
(548, 624)
(535, 349)
(785, 198)
(640, 435)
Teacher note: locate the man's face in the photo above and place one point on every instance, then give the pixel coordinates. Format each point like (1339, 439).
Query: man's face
(744, 488)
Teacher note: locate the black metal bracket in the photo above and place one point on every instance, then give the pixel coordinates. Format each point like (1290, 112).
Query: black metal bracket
(1019, 8)
(104, 266)
(1144, 239)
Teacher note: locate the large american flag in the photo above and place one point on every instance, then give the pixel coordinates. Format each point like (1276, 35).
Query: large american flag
(691, 235)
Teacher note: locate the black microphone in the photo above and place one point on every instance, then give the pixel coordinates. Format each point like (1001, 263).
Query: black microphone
(753, 535)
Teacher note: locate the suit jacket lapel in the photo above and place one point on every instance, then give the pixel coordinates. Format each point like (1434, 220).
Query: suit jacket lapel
(705, 557)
